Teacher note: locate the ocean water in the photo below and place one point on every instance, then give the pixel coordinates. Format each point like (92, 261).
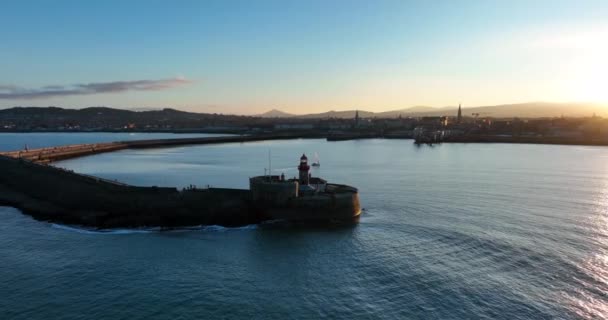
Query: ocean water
(454, 231)
(17, 141)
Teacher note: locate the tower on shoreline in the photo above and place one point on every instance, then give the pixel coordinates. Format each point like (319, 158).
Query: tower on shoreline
(459, 117)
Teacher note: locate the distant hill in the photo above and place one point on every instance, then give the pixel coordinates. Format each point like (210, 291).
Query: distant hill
(544, 109)
(144, 109)
(103, 118)
(521, 110)
(525, 110)
(338, 114)
(274, 113)
(409, 111)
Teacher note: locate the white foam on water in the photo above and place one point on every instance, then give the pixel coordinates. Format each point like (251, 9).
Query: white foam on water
(224, 229)
(212, 228)
(84, 230)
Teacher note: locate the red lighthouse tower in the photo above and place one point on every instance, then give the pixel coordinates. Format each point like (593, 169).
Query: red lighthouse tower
(303, 168)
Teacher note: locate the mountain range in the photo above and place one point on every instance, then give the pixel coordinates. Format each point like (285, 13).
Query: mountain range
(521, 110)
(103, 114)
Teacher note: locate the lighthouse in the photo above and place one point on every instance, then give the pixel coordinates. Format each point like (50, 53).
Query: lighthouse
(303, 169)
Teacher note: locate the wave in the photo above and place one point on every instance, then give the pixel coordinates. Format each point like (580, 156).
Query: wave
(224, 229)
(85, 230)
(211, 228)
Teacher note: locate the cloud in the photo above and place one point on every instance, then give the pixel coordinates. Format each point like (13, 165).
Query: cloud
(14, 92)
(7, 87)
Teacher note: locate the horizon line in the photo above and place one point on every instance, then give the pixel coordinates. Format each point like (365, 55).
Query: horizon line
(193, 109)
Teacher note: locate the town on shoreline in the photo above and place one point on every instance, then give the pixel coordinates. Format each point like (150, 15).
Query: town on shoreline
(461, 126)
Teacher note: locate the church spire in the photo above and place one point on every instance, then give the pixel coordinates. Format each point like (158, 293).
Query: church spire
(459, 118)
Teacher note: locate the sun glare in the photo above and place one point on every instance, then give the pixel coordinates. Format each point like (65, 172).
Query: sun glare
(590, 78)
(588, 71)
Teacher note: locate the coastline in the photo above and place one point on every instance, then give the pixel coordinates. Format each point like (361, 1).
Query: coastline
(526, 140)
(51, 154)
(240, 136)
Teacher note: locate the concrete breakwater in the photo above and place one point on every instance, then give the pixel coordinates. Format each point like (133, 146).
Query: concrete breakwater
(50, 154)
(54, 194)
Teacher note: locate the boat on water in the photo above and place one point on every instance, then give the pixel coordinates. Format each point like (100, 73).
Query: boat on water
(316, 163)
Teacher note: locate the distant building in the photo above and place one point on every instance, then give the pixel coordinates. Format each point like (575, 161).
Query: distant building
(294, 126)
(459, 117)
(393, 123)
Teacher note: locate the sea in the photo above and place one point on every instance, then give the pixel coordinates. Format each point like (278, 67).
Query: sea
(449, 231)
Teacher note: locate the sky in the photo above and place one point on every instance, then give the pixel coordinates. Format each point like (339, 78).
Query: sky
(247, 57)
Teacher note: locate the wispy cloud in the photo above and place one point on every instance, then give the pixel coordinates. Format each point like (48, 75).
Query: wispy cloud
(15, 92)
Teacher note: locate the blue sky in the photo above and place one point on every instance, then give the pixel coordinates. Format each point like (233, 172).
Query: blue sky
(301, 56)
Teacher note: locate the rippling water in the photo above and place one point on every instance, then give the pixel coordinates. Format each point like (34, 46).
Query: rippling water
(456, 231)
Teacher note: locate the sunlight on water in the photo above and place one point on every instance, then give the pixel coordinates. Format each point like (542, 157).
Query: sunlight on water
(457, 231)
(593, 302)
